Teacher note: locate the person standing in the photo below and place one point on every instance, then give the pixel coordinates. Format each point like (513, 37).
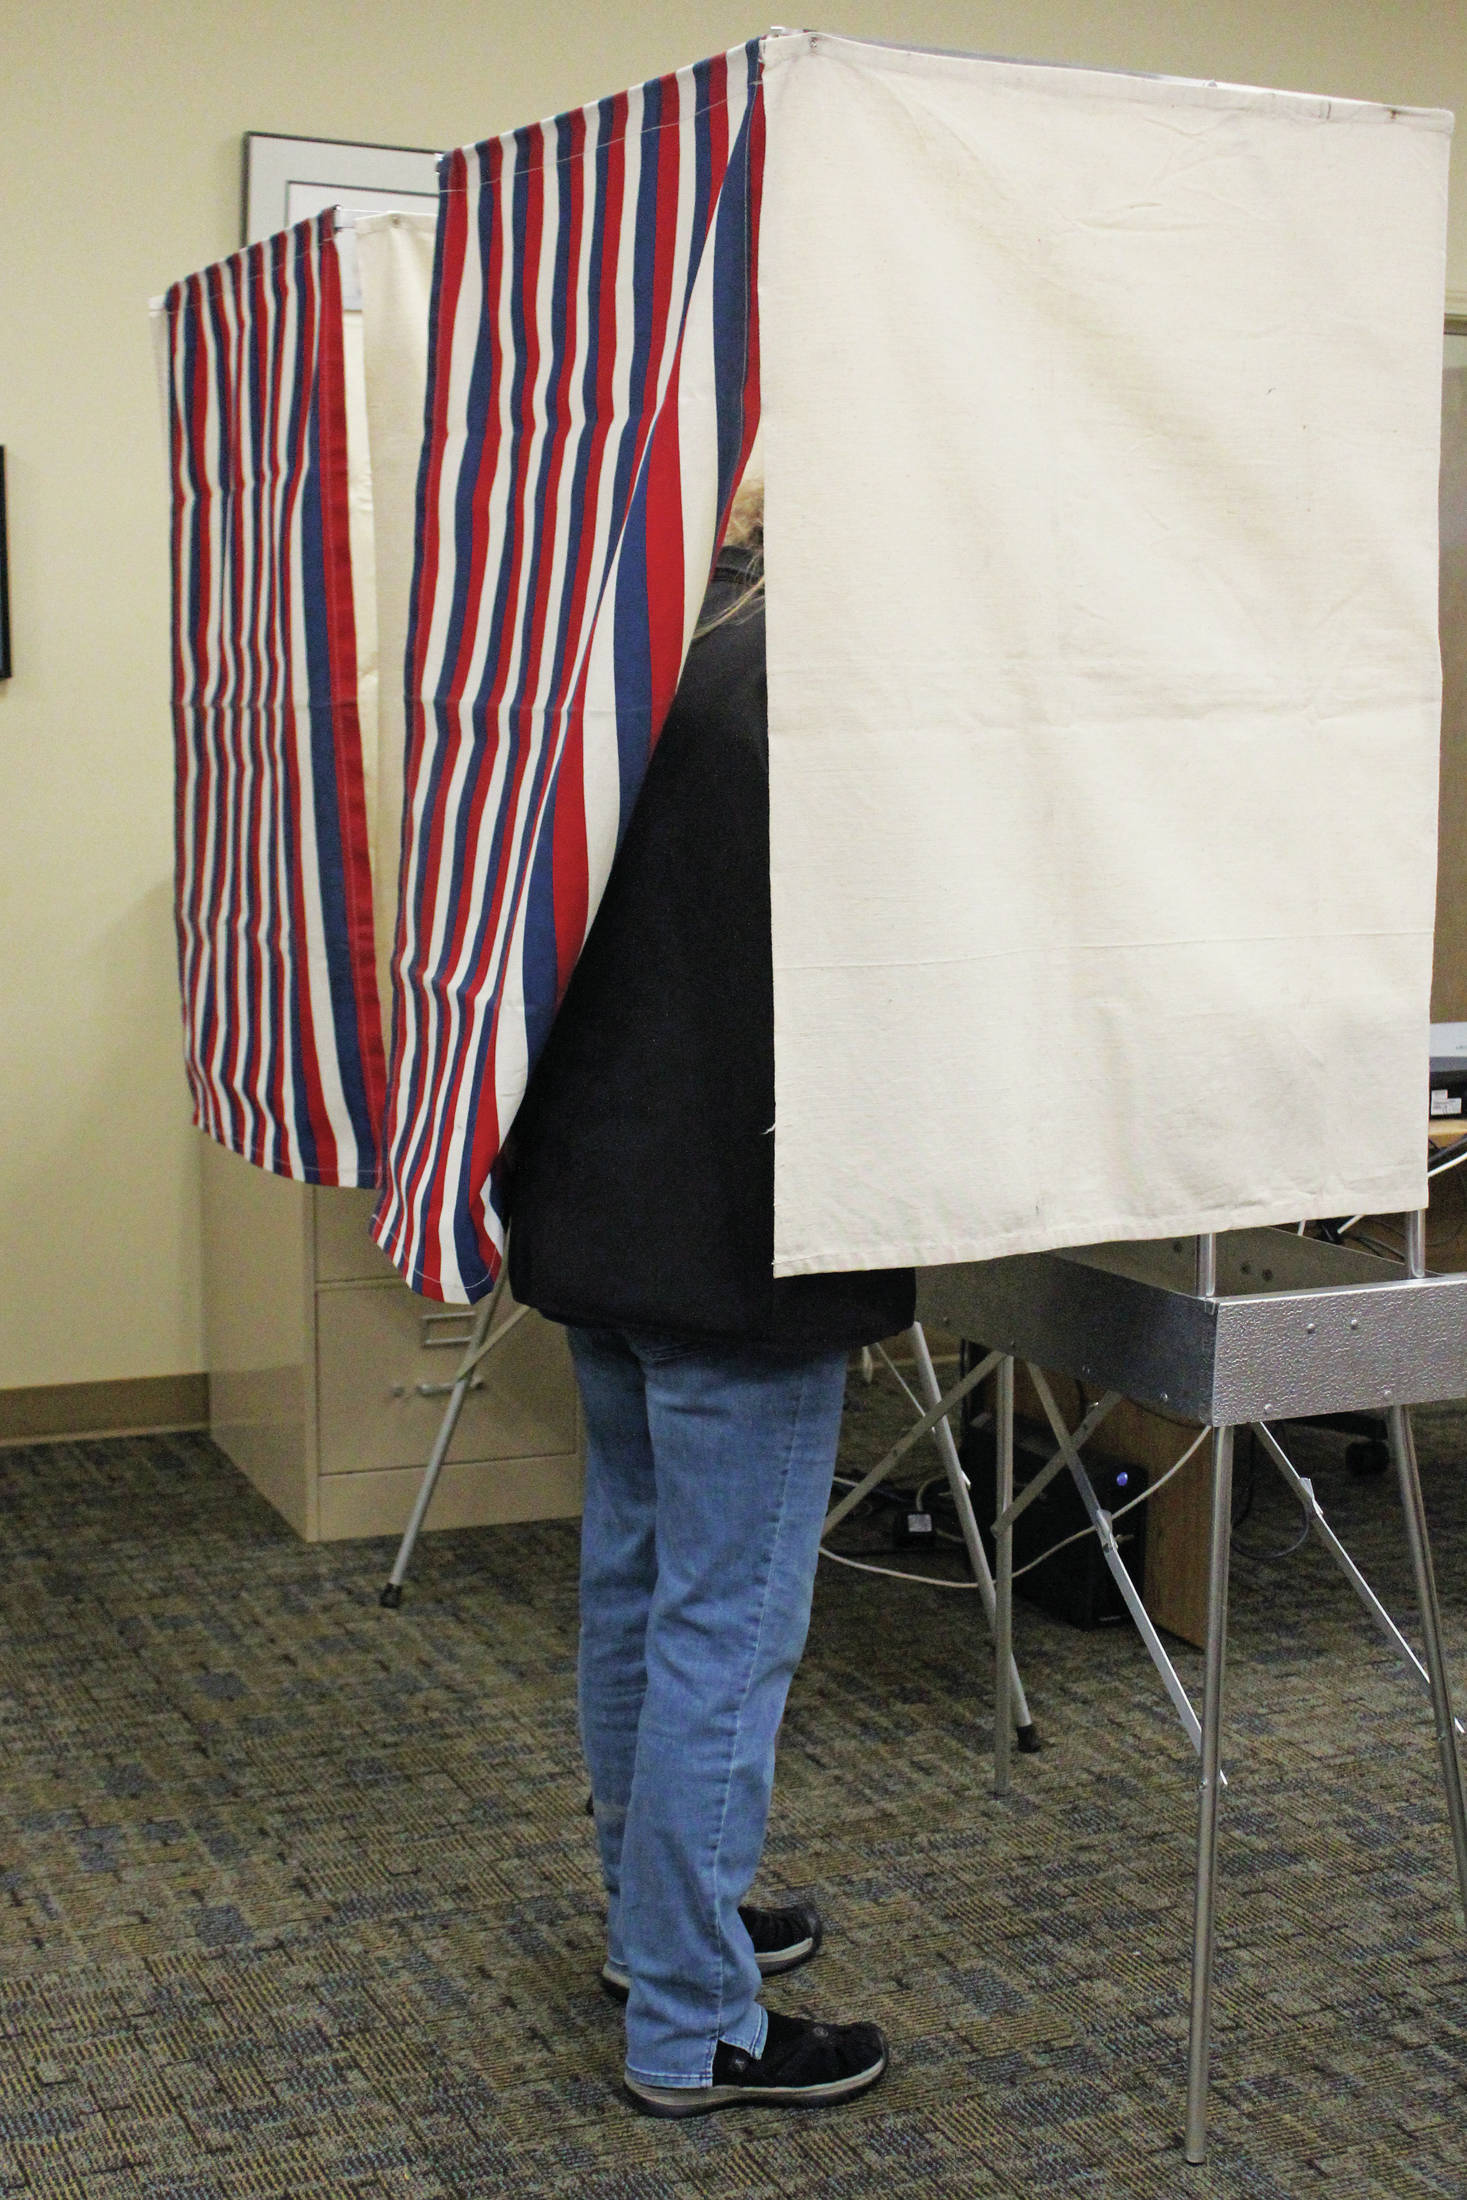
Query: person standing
(642, 1217)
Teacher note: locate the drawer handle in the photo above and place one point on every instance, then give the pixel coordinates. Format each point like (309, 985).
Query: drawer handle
(431, 1390)
(447, 1332)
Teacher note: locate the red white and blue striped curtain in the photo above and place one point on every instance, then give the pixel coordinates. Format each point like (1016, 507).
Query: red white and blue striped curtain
(592, 396)
(282, 1031)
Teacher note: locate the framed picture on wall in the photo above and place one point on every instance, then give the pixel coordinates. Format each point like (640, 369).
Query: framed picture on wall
(287, 179)
(4, 577)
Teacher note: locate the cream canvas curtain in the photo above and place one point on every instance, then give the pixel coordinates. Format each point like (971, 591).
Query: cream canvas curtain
(1101, 419)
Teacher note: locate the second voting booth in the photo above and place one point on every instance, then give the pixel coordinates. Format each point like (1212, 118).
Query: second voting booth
(1099, 418)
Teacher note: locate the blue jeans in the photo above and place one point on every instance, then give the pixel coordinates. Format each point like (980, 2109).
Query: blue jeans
(707, 1479)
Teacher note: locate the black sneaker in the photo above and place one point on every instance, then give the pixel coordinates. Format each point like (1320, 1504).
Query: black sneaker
(783, 1940)
(804, 2065)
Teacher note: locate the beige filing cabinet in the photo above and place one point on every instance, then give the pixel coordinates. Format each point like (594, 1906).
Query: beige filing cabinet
(316, 1349)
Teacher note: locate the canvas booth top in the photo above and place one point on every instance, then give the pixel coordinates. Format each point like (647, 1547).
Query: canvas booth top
(1100, 422)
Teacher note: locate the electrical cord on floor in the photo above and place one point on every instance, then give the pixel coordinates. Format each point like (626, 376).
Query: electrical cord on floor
(1243, 1510)
(1250, 1550)
(933, 1581)
(1272, 1558)
(1120, 1511)
(918, 1500)
(881, 1493)
(897, 1500)
(894, 1573)
(922, 1503)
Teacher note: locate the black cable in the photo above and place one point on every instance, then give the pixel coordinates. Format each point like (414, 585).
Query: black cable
(880, 1493)
(1251, 1490)
(1271, 1558)
(1250, 1550)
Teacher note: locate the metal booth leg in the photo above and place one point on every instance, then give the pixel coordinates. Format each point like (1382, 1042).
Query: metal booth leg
(1200, 2036)
(1403, 1450)
(1003, 1587)
(957, 1482)
(480, 1342)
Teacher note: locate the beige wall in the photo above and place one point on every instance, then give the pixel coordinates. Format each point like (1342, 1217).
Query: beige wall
(120, 124)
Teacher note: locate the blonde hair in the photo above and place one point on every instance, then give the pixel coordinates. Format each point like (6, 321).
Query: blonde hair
(745, 531)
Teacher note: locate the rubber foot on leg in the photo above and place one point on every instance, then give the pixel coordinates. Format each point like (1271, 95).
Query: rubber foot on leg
(1027, 1738)
(391, 1596)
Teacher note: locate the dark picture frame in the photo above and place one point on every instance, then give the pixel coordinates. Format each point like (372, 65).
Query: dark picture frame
(285, 179)
(4, 578)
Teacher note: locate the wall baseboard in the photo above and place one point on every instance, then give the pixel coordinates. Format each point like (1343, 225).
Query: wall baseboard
(141, 1406)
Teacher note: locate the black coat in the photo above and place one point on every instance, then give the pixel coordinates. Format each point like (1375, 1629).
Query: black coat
(642, 1175)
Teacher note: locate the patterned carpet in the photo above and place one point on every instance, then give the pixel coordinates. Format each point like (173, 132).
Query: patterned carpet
(300, 1896)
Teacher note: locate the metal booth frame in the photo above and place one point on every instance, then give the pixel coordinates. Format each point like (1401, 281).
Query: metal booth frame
(1233, 1332)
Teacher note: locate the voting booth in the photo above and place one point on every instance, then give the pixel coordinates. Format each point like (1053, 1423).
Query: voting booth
(1099, 419)
(1101, 422)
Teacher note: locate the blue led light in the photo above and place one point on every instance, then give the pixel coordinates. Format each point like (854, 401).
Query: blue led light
(1122, 1480)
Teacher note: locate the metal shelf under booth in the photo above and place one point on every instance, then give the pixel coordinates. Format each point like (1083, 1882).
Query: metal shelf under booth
(1239, 1331)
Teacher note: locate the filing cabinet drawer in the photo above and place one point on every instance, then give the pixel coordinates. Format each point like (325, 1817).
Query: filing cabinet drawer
(344, 1252)
(373, 1351)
